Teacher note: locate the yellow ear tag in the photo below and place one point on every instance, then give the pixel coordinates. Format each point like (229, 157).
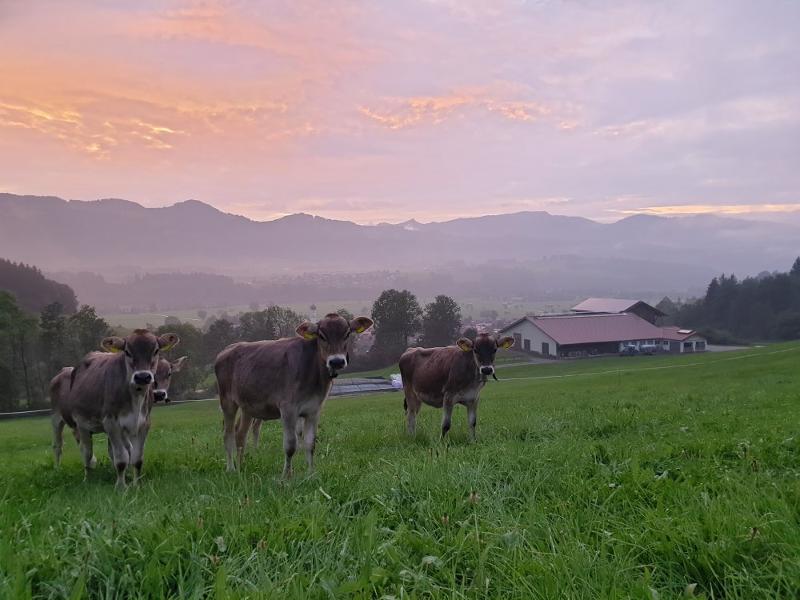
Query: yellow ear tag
(309, 335)
(464, 347)
(361, 329)
(114, 349)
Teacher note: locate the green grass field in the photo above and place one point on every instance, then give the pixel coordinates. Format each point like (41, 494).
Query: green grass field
(645, 477)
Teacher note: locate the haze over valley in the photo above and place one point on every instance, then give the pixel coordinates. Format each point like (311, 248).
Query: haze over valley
(117, 253)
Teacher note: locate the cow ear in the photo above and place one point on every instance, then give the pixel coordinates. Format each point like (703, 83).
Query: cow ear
(360, 324)
(505, 342)
(178, 364)
(307, 330)
(113, 344)
(465, 344)
(168, 341)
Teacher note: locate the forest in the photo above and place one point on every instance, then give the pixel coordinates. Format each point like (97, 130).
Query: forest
(754, 309)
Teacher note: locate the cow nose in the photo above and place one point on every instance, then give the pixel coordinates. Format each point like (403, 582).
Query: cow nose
(160, 395)
(336, 362)
(487, 370)
(142, 377)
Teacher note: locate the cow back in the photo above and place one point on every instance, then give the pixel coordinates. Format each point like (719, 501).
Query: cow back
(434, 371)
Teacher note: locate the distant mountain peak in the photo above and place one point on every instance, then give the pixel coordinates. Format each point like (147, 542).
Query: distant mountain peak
(195, 205)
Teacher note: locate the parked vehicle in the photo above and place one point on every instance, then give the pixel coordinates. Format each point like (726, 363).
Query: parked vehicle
(629, 350)
(648, 349)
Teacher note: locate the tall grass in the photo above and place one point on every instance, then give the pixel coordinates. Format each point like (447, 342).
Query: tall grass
(616, 479)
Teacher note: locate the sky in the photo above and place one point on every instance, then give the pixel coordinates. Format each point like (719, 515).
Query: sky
(388, 110)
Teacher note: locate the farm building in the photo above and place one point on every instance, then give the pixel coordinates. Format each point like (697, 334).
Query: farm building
(591, 334)
(617, 306)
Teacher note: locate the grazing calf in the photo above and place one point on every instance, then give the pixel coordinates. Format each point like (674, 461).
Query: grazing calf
(60, 387)
(443, 377)
(111, 392)
(285, 379)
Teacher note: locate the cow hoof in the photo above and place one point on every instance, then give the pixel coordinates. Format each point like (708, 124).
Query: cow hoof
(93, 462)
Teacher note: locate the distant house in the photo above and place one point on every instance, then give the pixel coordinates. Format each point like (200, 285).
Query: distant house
(595, 333)
(617, 306)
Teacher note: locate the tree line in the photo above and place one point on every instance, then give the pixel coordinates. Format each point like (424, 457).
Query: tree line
(34, 347)
(761, 308)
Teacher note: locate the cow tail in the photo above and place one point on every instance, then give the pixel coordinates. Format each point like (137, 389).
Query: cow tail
(405, 404)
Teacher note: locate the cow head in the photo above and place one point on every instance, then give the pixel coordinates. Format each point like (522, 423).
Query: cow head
(164, 372)
(333, 335)
(141, 349)
(483, 350)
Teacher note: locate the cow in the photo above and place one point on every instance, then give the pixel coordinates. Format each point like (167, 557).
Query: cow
(444, 377)
(60, 386)
(111, 392)
(286, 379)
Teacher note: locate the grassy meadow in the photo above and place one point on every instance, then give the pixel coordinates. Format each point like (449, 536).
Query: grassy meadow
(642, 477)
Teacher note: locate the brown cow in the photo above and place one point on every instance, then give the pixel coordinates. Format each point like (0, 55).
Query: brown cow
(110, 393)
(443, 377)
(285, 379)
(60, 386)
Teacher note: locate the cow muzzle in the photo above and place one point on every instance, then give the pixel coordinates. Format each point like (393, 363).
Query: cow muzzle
(335, 363)
(486, 371)
(160, 396)
(142, 378)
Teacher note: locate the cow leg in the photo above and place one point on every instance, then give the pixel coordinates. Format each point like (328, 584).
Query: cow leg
(472, 418)
(121, 449)
(242, 429)
(87, 454)
(310, 438)
(58, 437)
(137, 451)
(228, 425)
(289, 422)
(447, 415)
(412, 406)
(256, 429)
(298, 430)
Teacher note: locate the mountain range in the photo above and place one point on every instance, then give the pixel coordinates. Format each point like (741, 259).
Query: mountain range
(118, 238)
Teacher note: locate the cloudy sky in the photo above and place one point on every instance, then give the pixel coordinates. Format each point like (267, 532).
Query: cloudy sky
(389, 110)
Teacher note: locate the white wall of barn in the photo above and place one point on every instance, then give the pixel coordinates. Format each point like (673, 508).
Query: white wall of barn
(535, 336)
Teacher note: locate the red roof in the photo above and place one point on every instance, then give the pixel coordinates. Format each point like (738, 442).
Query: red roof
(591, 329)
(677, 334)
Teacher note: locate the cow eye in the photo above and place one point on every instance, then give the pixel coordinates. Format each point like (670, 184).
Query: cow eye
(322, 336)
(128, 354)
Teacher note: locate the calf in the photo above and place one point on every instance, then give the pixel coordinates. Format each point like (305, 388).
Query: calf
(287, 379)
(60, 387)
(443, 377)
(111, 392)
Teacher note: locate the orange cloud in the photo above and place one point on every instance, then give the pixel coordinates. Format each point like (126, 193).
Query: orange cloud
(400, 113)
(706, 209)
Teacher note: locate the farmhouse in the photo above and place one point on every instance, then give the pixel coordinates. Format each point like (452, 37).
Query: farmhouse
(586, 332)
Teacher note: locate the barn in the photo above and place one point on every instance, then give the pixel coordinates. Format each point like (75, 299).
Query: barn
(593, 333)
(619, 305)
